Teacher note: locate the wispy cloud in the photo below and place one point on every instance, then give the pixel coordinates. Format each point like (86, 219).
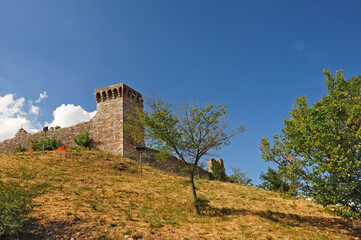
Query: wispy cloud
(42, 96)
(4, 83)
(34, 110)
(299, 46)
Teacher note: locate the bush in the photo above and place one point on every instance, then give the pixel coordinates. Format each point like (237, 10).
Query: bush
(49, 144)
(16, 197)
(240, 177)
(19, 148)
(82, 140)
(343, 211)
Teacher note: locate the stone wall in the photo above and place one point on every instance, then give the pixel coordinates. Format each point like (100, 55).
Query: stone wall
(66, 135)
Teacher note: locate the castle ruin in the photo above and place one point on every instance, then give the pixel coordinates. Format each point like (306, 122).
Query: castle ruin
(211, 161)
(114, 105)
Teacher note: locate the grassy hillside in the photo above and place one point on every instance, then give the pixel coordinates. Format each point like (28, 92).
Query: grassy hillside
(94, 195)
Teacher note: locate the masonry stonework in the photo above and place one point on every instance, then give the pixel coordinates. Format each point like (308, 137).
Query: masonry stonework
(114, 104)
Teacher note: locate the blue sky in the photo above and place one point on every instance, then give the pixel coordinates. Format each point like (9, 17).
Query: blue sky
(252, 56)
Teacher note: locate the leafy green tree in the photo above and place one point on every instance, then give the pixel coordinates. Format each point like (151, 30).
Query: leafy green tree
(82, 140)
(240, 177)
(273, 181)
(320, 149)
(189, 132)
(218, 172)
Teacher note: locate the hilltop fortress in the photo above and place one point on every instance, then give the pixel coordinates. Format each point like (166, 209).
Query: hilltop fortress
(114, 105)
(105, 129)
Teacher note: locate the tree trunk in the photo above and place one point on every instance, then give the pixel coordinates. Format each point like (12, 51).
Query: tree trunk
(195, 199)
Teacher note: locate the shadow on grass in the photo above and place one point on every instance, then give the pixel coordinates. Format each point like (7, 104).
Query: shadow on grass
(74, 229)
(28, 228)
(58, 229)
(292, 220)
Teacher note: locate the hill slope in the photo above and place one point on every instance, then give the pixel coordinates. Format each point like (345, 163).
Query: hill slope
(101, 196)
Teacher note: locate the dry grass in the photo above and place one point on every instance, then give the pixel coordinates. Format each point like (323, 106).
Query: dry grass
(101, 196)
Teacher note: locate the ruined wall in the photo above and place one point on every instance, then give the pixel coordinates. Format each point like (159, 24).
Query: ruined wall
(66, 135)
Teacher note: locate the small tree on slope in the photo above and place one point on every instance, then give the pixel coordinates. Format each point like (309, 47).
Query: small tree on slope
(189, 132)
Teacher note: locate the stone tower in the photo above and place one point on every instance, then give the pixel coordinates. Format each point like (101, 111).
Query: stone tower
(114, 104)
(211, 161)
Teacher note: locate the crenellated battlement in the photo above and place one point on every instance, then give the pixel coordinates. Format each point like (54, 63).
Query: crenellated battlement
(117, 91)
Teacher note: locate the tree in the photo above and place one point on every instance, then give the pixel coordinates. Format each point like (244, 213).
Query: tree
(320, 149)
(240, 177)
(189, 132)
(273, 181)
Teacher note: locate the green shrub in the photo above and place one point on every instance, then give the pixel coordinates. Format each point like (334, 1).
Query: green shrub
(240, 177)
(343, 211)
(19, 148)
(82, 140)
(49, 144)
(16, 197)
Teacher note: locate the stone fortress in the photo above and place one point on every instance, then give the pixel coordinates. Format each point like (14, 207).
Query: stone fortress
(114, 104)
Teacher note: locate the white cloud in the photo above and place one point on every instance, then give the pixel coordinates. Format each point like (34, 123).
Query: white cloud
(9, 126)
(42, 96)
(13, 116)
(10, 107)
(68, 115)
